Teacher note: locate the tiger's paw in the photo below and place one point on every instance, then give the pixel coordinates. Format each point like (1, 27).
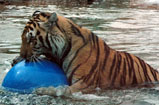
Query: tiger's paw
(52, 91)
(16, 60)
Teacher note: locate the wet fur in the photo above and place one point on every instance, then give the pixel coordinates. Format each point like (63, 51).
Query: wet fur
(85, 58)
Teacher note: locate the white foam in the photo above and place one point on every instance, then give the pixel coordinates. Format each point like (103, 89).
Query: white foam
(152, 2)
(81, 96)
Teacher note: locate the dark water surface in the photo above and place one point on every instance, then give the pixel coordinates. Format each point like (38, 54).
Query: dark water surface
(135, 30)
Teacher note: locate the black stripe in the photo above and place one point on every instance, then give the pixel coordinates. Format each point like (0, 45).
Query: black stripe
(117, 68)
(72, 74)
(75, 56)
(30, 28)
(60, 28)
(90, 53)
(139, 71)
(132, 69)
(31, 35)
(70, 78)
(123, 76)
(91, 49)
(93, 68)
(30, 22)
(128, 64)
(26, 27)
(93, 38)
(77, 32)
(48, 42)
(144, 70)
(99, 80)
(66, 52)
(112, 66)
(119, 62)
(42, 29)
(41, 40)
(154, 73)
(34, 24)
(38, 32)
(35, 13)
(53, 42)
(38, 24)
(43, 14)
(94, 79)
(107, 52)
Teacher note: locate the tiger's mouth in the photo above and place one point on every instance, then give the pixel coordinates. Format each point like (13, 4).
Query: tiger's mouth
(36, 55)
(36, 58)
(33, 58)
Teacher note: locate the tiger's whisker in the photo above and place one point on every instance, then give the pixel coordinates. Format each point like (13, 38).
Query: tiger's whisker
(37, 59)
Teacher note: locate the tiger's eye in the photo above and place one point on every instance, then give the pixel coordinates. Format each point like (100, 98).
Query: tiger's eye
(35, 42)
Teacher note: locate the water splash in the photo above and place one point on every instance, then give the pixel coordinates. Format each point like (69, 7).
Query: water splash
(89, 97)
(126, 29)
(152, 2)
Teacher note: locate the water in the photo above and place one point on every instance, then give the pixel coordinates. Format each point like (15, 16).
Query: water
(134, 30)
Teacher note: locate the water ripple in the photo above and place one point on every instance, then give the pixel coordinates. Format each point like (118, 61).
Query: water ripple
(125, 29)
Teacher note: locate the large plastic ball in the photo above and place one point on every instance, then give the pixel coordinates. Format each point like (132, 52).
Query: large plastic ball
(24, 77)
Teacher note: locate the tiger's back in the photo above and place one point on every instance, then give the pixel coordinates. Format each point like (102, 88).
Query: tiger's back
(101, 66)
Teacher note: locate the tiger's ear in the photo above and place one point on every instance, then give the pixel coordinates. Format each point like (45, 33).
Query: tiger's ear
(53, 18)
(36, 13)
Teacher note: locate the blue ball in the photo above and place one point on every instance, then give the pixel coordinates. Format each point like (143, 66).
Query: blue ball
(24, 77)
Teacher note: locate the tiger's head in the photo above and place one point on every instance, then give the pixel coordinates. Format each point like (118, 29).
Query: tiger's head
(49, 34)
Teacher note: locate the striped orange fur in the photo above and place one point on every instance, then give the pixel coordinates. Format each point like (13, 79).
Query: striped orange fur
(85, 58)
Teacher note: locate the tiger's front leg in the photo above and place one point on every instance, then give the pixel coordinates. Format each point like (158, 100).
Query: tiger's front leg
(16, 60)
(63, 91)
(52, 91)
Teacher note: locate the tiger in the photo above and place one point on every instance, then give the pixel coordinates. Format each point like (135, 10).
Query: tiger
(88, 62)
